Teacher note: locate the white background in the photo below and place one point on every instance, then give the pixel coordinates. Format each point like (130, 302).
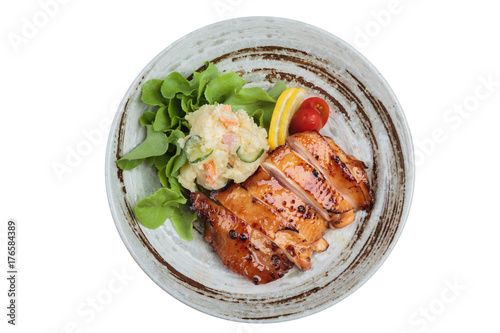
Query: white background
(65, 78)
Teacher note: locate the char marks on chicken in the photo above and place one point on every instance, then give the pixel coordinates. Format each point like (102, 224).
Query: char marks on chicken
(278, 216)
(244, 250)
(306, 181)
(358, 170)
(298, 214)
(268, 221)
(333, 164)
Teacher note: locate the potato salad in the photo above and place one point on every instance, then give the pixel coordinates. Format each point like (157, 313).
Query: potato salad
(222, 145)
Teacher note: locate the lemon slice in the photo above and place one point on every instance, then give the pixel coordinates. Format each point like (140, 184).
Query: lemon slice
(288, 103)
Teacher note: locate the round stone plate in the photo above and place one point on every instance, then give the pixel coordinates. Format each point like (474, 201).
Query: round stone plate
(366, 120)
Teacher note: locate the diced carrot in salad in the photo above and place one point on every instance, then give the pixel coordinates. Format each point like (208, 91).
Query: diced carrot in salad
(226, 118)
(210, 174)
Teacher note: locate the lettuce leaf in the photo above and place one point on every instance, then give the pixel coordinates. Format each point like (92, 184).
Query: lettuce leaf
(201, 79)
(182, 221)
(155, 144)
(128, 164)
(257, 103)
(151, 93)
(152, 211)
(162, 120)
(147, 118)
(175, 83)
(223, 87)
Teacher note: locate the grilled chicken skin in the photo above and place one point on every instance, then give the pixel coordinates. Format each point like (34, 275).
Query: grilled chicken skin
(267, 220)
(315, 149)
(357, 169)
(307, 182)
(242, 249)
(299, 215)
(248, 208)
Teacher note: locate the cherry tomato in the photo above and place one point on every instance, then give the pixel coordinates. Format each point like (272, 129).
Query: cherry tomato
(306, 119)
(318, 104)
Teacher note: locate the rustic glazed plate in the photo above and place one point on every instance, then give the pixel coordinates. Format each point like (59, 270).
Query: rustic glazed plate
(366, 120)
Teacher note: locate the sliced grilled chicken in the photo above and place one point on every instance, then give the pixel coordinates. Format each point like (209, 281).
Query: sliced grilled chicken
(357, 169)
(244, 250)
(307, 182)
(248, 208)
(299, 250)
(321, 245)
(342, 220)
(278, 216)
(268, 221)
(296, 212)
(315, 149)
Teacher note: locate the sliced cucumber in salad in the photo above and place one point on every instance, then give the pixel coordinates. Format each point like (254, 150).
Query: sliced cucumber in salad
(249, 155)
(193, 150)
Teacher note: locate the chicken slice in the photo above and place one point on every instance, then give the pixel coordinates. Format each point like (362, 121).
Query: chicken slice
(267, 220)
(248, 208)
(321, 245)
(298, 215)
(342, 220)
(357, 169)
(315, 149)
(307, 182)
(299, 250)
(242, 249)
